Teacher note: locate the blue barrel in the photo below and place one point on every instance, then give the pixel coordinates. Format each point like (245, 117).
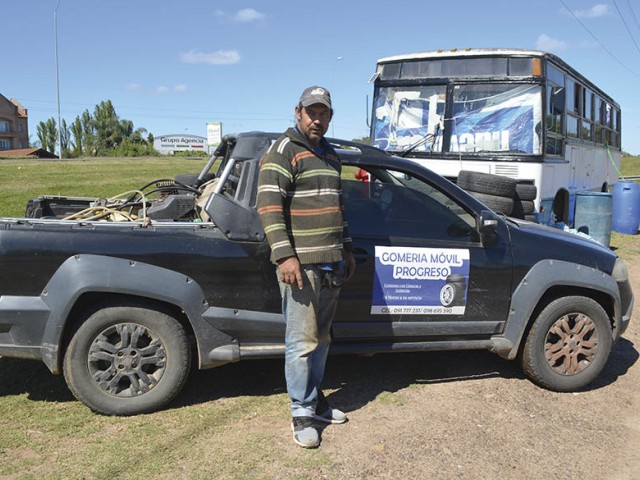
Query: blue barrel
(593, 215)
(626, 207)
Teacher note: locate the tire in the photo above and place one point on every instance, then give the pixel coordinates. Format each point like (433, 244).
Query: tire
(127, 360)
(568, 345)
(522, 208)
(526, 191)
(495, 203)
(487, 183)
(528, 207)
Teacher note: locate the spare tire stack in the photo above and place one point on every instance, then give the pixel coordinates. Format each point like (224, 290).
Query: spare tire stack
(523, 205)
(496, 191)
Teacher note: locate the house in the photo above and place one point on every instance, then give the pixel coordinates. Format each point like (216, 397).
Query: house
(14, 129)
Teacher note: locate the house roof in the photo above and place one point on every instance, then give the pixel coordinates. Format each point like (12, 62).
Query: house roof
(27, 152)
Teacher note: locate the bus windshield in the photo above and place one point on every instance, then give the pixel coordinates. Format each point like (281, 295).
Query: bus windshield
(485, 117)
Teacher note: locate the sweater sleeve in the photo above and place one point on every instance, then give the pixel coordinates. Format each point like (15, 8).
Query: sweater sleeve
(274, 182)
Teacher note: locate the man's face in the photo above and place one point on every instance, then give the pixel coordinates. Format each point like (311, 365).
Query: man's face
(313, 121)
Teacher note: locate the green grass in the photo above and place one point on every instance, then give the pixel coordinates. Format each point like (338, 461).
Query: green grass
(21, 180)
(630, 166)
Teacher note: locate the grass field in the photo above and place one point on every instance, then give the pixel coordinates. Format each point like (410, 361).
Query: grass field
(21, 180)
(46, 433)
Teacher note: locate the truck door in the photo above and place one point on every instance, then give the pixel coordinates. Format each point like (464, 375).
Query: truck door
(421, 268)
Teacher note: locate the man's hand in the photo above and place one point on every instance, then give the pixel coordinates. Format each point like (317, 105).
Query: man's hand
(349, 264)
(290, 271)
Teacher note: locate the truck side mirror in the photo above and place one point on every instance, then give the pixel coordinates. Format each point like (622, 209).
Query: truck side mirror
(487, 227)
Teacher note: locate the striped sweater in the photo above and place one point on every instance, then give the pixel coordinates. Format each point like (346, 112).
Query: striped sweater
(300, 201)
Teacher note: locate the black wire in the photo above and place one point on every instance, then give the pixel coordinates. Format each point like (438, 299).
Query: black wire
(173, 185)
(626, 26)
(596, 38)
(633, 14)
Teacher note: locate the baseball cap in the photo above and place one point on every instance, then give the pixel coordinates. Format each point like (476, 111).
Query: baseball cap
(315, 94)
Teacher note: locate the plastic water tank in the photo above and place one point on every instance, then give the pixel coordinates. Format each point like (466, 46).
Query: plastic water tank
(593, 215)
(626, 207)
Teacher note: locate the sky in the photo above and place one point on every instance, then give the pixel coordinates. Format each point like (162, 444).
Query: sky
(171, 67)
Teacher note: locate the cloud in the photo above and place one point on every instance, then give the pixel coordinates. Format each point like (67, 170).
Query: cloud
(597, 11)
(244, 15)
(159, 90)
(133, 87)
(248, 15)
(221, 57)
(547, 43)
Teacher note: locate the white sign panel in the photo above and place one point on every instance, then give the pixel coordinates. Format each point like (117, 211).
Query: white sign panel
(168, 144)
(214, 133)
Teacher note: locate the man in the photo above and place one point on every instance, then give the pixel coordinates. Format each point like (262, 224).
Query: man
(300, 205)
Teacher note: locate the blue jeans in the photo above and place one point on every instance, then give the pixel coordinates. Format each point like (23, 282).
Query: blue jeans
(309, 313)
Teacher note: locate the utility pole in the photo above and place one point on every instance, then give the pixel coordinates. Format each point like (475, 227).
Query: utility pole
(55, 31)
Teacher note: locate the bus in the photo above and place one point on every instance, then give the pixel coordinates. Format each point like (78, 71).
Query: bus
(523, 114)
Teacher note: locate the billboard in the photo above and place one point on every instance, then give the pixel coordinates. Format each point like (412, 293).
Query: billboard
(169, 144)
(214, 134)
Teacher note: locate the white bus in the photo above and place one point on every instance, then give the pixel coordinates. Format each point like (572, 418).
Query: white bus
(524, 114)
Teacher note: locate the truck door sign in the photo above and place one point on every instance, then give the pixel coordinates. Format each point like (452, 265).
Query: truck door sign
(420, 281)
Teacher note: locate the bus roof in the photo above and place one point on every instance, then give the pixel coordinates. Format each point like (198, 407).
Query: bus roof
(466, 52)
(497, 52)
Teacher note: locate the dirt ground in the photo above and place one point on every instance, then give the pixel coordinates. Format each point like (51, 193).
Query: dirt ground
(473, 415)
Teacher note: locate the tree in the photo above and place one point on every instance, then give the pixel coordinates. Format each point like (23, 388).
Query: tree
(100, 133)
(65, 138)
(88, 134)
(77, 132)
(107, 126)
(47, 134)
(365, 140)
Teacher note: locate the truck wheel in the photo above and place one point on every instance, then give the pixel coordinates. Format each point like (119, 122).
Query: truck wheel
(126, 360)
(568, 344)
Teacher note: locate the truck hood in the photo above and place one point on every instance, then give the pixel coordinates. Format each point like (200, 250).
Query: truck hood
(542, 241)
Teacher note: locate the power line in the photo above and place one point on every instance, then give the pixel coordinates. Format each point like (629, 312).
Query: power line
(626, 26)
(633, 14)
(596, 39)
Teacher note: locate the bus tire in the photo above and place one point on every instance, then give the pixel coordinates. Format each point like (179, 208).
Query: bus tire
(480, 182)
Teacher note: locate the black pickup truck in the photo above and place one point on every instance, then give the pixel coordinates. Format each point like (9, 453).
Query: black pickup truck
(122, 295)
